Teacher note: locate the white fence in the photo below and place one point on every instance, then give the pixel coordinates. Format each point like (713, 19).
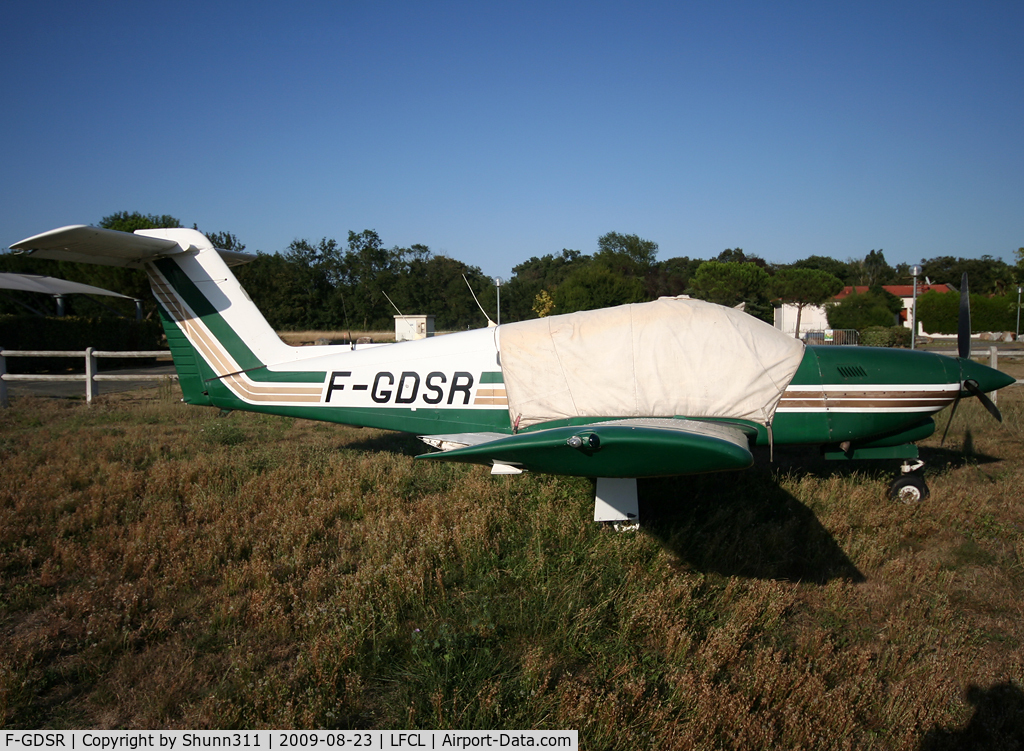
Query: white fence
(91, 376)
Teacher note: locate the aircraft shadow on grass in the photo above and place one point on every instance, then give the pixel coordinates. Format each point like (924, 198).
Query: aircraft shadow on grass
(743, 523)
(733, 523)
(403, 444)
(997, 722)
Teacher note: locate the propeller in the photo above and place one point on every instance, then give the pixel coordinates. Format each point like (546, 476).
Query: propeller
(963, 321)
(963, 346)
(993, 410)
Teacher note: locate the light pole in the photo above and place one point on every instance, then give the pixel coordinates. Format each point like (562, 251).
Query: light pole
(915, 271)
(1017, 338)
(497, 284)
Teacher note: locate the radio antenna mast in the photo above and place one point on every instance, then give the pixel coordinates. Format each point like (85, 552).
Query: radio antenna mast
(392, 304)
(489, 321)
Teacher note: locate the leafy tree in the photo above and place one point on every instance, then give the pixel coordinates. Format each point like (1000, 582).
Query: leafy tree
(367, 271)
(275, 285)
(596, 286)
(535, 275)
(730, 283)
(860, 311)
(124, 221)
(803, 287)
(629, 255)
(544, 305)
(736, 255)
(891, 301)
(873, 269)
(986, 274)
(843, 270)
(671, 277)
(311, 298)
(223, 240)
(437, 284)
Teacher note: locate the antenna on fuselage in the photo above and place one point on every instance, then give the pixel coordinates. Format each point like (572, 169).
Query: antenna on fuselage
(489, 321)
(392, 303)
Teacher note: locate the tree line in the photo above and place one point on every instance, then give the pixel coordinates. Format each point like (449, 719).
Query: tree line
(359, 285)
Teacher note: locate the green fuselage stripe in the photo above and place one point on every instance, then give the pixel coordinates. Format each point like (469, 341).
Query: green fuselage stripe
(226, 335)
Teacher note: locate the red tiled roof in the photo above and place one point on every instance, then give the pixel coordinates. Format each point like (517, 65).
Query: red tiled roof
(900, 290)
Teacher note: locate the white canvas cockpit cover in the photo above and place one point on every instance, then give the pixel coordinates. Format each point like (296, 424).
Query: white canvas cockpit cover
(672, 357)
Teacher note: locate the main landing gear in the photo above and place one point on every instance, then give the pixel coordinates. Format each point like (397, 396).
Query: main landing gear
(910, 486)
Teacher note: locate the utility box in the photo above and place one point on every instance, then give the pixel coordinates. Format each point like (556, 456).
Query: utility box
(408, 328)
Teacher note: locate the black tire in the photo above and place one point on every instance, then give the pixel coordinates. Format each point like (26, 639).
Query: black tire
(909, 489)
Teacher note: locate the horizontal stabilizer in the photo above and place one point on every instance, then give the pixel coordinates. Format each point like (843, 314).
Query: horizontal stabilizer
(108, 247)
(621, 448)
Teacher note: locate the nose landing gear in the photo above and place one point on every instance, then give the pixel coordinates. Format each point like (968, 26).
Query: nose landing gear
(910, 486)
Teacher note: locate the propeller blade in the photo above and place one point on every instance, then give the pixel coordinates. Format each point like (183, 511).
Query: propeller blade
(952, 414)
(993, 410)
(963, 328)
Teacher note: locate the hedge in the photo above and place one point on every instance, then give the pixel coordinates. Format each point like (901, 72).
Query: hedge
(885, 336)
(938, 312)
(878, 336)
(28, 332)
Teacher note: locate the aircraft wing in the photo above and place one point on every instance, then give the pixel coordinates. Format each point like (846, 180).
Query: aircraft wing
(107, 247)
(620, 448)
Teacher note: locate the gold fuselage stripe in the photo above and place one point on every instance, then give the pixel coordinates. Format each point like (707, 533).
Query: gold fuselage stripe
(223, 365)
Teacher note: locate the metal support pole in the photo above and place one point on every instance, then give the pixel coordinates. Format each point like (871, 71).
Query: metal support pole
(913, 323)
(4, 403)
(497, 285)
(993, 362)
(90, 373)
(915, 271)
(1017, 337)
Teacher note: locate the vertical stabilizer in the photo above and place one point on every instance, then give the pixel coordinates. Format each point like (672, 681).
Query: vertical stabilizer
(198, 292)
(214, 330)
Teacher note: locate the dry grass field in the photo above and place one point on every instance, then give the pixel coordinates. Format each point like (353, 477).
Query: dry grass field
(163, 566)
(306, 338)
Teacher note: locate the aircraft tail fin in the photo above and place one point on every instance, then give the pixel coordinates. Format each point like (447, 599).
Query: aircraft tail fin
(213, 328)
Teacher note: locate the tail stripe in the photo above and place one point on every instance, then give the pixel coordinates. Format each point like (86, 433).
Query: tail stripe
(224, 366)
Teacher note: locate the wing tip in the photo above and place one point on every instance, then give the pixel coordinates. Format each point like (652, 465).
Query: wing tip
(29, 242)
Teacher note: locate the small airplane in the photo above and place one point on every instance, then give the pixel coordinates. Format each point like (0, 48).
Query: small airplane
(670, 387)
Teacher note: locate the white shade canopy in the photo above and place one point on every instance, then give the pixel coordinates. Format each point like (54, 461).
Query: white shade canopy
(52, 286)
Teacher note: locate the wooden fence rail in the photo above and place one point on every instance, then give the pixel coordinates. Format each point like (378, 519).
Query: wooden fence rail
(91, 376)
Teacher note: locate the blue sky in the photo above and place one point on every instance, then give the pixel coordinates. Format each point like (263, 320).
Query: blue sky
(496, 131)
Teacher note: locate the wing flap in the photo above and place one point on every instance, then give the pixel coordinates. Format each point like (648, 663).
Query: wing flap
(453, 441)
(621, 448)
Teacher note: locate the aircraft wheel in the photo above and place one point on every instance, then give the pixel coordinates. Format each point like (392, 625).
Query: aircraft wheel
(909, 489)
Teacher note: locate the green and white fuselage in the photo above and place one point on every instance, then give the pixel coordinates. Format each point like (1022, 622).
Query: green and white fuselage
(542, 396)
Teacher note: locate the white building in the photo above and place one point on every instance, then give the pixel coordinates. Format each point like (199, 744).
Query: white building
(408, 328)
(813, 317)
